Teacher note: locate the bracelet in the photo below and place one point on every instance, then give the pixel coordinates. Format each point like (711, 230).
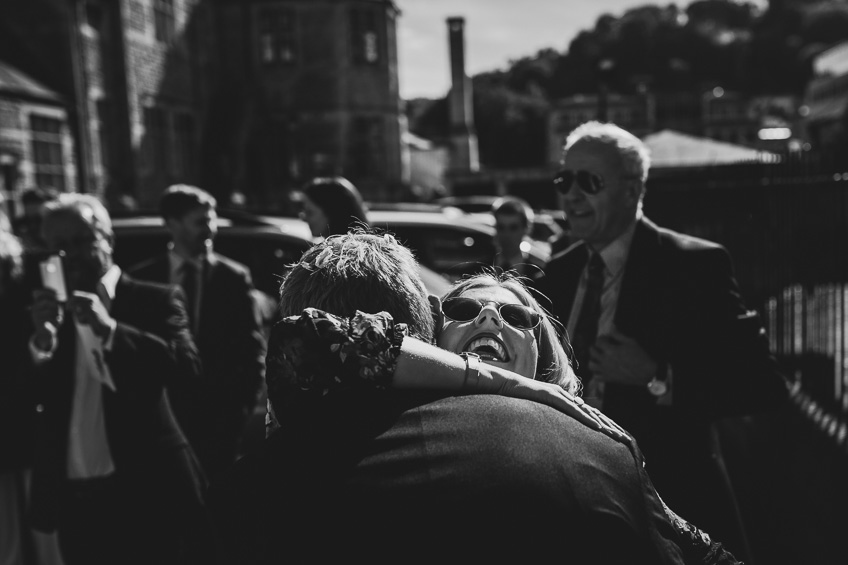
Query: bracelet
(472, 370)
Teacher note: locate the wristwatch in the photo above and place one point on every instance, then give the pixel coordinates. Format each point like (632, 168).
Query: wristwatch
(657, 387)
(472, 370)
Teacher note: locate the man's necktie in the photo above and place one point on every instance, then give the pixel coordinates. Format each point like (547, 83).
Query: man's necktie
(190, 287)
(587, 324)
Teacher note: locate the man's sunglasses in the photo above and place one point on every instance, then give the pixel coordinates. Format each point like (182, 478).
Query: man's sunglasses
(589, 183)
(460, 309)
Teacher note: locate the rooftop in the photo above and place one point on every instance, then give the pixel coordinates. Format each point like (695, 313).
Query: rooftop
(671, 148)
(13, 81)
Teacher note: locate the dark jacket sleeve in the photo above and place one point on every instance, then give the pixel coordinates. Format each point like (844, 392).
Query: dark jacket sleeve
(163, 350)
(723, 364)
(250, 364)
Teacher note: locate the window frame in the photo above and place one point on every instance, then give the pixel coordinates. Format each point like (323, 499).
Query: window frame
(367, 41)
(277, 40)
(48, 150)
(164, 20)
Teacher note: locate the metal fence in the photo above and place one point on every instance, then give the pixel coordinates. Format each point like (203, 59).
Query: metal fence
(786, 226)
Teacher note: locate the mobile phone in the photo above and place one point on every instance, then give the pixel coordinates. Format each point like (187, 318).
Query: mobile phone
(53, 277)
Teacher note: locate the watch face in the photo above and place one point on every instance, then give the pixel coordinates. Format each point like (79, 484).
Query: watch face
(657, 387)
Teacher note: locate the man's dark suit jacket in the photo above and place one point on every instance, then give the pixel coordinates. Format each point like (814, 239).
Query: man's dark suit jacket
(213, 412)
(393, 476)
(679, 299)
(152, 347)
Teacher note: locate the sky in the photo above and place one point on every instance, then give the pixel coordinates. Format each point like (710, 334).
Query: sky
(496, 31)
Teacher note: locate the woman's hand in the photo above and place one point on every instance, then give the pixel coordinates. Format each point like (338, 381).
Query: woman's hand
(507, 383)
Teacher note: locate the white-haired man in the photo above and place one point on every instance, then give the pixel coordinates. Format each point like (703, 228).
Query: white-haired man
(662, 338)
(112, 472)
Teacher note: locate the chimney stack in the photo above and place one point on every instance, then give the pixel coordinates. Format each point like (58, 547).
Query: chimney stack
(464, 157)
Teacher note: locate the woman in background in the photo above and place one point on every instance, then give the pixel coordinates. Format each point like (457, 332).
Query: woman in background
(332, 205)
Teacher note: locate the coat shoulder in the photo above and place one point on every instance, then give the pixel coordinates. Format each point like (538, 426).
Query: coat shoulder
(147, 287)
(684, 244)
(148, 268)
(564, 255)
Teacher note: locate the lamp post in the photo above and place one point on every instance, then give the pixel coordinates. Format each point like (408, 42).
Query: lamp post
(604, 67)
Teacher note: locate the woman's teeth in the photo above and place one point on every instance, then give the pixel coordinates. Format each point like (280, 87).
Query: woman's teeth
(488, 349)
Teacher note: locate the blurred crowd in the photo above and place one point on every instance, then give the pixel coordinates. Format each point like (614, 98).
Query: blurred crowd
(126, 392)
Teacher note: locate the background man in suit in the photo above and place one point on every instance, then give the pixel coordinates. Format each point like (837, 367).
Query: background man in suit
(225, 323)
(112, 472)
(663, 340)
(513, 221)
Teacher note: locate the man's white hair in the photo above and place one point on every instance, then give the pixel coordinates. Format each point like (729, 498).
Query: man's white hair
(86, 206)
(635, 156)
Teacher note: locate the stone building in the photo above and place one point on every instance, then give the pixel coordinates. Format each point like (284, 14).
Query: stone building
(825, 109)
(246, 98)
(311, 88)
(36, 147)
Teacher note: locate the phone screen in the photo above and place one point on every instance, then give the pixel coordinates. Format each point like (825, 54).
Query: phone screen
(53, 277)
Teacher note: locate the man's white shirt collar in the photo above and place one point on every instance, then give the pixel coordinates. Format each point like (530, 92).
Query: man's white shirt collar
(109, 281)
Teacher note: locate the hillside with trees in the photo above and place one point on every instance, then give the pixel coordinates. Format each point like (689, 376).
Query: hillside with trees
(709, 43)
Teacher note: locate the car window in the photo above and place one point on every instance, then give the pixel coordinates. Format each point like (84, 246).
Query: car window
(265, 254)
(454, 252)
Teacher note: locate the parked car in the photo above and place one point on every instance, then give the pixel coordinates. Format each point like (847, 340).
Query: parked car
(446, 241)
(475, 203)
(450, 242)
(548, 225)
(265, 245)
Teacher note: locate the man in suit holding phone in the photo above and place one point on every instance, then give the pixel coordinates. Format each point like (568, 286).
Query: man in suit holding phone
(113, 473)
(225, 325)
(663, 341)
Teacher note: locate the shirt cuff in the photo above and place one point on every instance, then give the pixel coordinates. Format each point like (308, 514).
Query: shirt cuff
(110, 337)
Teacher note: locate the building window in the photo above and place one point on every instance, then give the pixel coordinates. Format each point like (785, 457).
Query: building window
(164, 19)
(156, 140)
(47, 152)
(184, 145)
(365, 37)
(277, 43)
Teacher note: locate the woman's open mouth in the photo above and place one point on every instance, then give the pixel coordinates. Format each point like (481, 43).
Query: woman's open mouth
(488, 348)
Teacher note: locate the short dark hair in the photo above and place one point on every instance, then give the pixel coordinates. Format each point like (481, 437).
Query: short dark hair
(361, 270)
(86, 206)
(513, 206)
(180, 199)
(340, 201)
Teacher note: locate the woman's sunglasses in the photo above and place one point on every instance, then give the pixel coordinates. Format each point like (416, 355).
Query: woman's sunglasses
(589, 183)
(518, 316)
